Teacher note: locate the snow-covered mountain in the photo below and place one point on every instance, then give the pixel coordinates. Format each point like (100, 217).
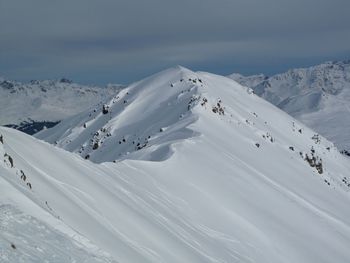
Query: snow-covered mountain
(148, 115)
(317, 96)
(248, 81)
(224, 177)
(31, 106)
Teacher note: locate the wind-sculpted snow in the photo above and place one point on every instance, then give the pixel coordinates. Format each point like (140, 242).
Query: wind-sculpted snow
(243, 181)
(317, 96)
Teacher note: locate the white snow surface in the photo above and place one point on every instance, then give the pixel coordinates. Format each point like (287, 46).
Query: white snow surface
(207, 187)
(317, 96)
(48, 100)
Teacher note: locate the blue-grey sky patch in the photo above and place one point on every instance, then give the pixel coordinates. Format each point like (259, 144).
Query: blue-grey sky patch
(101, 41)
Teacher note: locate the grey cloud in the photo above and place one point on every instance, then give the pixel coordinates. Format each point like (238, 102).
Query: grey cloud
(122, 40)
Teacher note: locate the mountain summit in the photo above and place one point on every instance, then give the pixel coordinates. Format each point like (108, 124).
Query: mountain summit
(148, 115)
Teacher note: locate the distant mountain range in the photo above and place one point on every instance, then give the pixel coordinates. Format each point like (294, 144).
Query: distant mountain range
(318, 96)
(32, 106)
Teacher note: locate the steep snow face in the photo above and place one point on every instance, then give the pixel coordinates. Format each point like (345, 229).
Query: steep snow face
(38, 101)
(245, 181)
(318, 96)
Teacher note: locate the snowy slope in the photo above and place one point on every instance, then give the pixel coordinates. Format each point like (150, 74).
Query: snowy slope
(30, 231)
(48, 100)
(317, 96)
(229, 180)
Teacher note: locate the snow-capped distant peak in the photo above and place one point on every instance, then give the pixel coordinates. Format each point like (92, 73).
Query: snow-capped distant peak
(248, 81)
(30, 106)
(318, 96)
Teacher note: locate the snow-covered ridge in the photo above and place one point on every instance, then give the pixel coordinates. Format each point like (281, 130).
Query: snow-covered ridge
(317, 96)
(236, 178)
(47, 101)
(146, 118)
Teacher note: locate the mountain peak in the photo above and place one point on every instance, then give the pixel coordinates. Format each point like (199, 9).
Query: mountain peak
(145, 119)
(137, 117)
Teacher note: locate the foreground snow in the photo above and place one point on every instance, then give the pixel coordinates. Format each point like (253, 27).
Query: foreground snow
(26, 239)
(228, 181)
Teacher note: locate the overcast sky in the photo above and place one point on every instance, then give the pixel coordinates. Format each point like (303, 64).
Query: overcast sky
(120, 41)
